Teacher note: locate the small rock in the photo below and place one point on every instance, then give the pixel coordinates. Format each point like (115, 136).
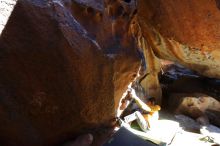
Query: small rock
(211, 131)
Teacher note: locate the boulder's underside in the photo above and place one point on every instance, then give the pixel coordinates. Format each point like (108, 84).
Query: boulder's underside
(65, 64)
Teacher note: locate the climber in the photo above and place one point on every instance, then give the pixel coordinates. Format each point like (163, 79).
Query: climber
(149, 110)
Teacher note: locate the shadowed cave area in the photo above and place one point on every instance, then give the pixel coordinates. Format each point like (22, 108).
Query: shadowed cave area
(126, 72)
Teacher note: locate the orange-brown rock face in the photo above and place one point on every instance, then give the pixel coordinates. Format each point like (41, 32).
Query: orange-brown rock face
(64, 64)
(64, 67)
(190, 22)
(184, 31)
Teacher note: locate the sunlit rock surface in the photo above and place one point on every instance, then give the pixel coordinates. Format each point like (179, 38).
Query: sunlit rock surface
(65, 64)
(183, 31)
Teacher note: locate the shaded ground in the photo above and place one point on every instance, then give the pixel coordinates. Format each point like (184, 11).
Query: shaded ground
(192, 101)
(191, 132)
(178, 83)
(200, 122)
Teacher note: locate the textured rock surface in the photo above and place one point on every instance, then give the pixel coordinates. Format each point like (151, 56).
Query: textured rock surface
(64, 64)
(187, 93)
(194, 104)
(61, 74)
(183, 31)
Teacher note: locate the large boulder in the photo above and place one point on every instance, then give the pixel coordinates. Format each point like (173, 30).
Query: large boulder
(185, 31)
(203, 108)
(181, 31)
(63, 67)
